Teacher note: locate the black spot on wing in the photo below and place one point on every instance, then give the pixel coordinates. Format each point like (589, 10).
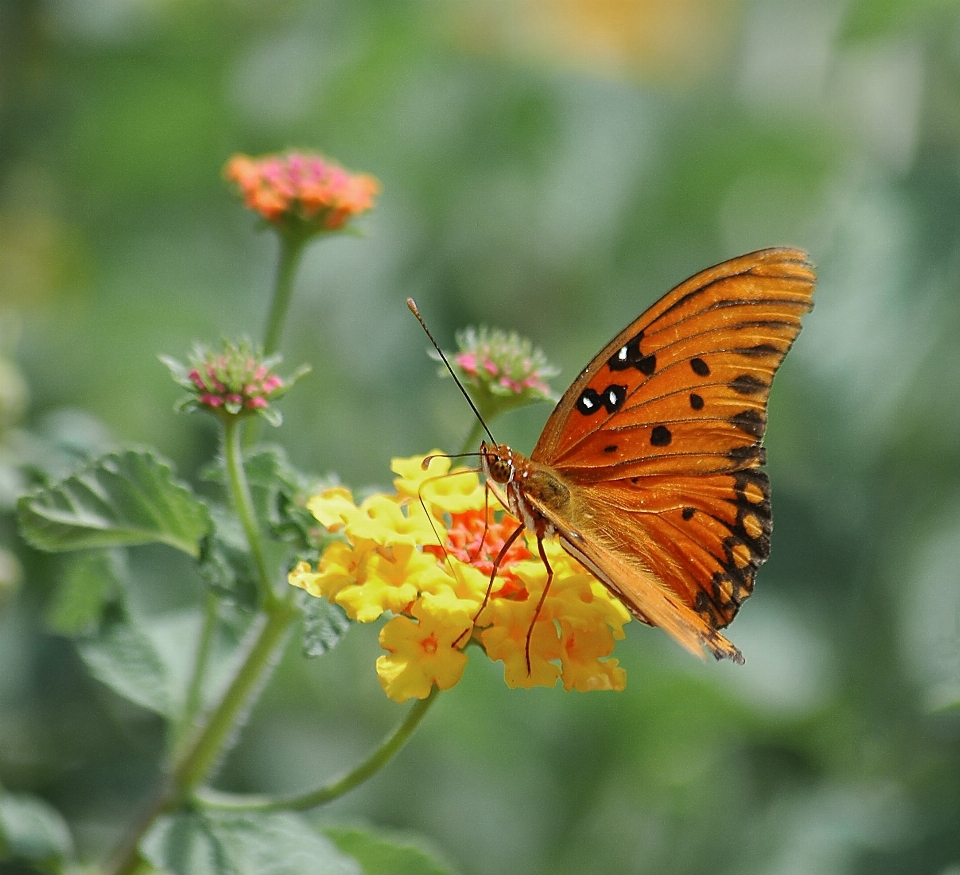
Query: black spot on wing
(750, 421)
(611, 399)
(744, 456)
(628, 354)
(700, 367)
(696, 401)
(661, 436)
(631, 356)
(760, 350)
(747, 384)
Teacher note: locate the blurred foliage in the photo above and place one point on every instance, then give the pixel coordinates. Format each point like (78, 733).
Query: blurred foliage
(549, 167)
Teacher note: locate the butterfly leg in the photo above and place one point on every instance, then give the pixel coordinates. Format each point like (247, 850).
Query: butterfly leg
(493, 576)
(486, 522)
(543, 598)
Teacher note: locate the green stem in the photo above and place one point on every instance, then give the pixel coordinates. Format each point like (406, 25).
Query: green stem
(197, 760)
(195, 690)
(266, 637)
(303, 801)
(473, 439)
(292, 245)
(243, 505)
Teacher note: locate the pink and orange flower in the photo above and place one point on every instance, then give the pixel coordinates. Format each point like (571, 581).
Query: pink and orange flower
(302, 190)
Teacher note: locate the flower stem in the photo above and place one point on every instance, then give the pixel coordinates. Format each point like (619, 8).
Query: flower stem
(292, 245)
(336, 788)
(266, 637)
(473, 439)
(195, 690)
(197, 759)
(243, 505)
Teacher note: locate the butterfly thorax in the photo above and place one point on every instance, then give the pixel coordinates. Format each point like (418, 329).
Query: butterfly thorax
(526, 484)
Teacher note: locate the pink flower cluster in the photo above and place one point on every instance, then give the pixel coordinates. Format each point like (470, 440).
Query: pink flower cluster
(223, 384)
(302, 187)
(471, 366)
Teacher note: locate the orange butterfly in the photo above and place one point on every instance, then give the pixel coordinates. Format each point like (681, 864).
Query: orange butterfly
(648, 470)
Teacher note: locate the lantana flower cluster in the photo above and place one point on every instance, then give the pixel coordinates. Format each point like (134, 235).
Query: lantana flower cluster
(234, 380)
(302, 190)
(502, 369)
(424, 555)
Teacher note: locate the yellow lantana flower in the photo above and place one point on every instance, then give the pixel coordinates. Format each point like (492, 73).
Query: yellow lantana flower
(425, 554)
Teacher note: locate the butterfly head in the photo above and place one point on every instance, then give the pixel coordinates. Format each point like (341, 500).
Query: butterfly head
(497, 462)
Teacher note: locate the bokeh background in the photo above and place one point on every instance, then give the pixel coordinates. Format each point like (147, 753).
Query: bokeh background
(549, 166)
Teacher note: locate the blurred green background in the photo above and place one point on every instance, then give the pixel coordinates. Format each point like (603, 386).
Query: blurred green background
(549, 166)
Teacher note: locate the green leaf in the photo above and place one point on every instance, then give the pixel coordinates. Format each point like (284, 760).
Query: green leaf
(123, 498)
(225, 562)
(30, 829)
(386, 853)
(92, 581)
(251, 844)
(324, 625)
(124, 658)
(281, 493)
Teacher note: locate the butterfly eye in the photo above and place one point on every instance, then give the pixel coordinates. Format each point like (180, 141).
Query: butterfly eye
(499, 469)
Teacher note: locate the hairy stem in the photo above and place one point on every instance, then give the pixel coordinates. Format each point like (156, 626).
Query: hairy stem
(200, 756)
(336, 788)
(195, 690)
(243, 505)
(292, 245)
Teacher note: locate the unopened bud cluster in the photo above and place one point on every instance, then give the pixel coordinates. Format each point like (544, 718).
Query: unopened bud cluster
(234, 381)
(503, 370)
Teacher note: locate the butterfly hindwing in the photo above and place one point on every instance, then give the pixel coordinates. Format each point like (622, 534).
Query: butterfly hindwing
(705, 537)
(640, 588)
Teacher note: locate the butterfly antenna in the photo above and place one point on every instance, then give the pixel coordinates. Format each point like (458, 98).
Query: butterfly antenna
(413, 309)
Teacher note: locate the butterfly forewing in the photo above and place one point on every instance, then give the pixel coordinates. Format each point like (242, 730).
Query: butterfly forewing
(722, 334)
(659, 438)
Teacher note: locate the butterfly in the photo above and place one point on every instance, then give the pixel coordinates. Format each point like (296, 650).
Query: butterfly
(649, 468)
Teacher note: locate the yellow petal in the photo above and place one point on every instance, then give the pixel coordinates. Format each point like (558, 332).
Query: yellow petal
(456, 492)
(412, 474)
(382, 520)
(333, 507)
(420, 656)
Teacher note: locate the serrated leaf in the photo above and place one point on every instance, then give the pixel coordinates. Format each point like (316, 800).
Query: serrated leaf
(124, 658)
(324, 625)
(251, 844)
(387, 853)
(280, 494)
(121, 499)
(30, 829)
(90, 583)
